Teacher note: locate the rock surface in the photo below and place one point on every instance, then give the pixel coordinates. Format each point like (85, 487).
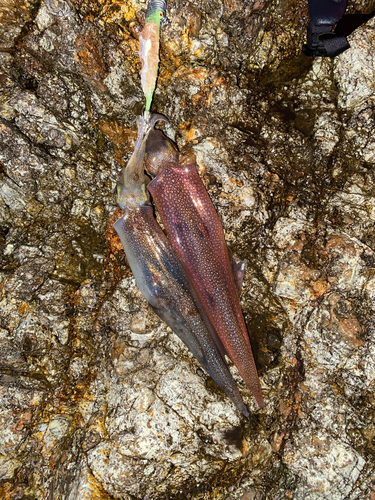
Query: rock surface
(99, 400)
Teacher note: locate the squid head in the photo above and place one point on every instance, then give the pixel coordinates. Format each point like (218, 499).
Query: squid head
(160, 150)
(131, 185)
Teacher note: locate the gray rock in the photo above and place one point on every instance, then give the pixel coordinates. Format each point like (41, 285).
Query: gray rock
(98, 398)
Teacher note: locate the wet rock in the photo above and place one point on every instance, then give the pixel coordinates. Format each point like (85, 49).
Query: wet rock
(99, 399)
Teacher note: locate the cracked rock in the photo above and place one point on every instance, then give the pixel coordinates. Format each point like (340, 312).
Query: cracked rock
(98, 398)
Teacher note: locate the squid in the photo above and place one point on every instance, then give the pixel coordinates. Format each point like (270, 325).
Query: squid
(196, 235)
(158, 272)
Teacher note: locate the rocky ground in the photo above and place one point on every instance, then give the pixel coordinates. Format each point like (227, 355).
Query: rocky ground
(99, 400)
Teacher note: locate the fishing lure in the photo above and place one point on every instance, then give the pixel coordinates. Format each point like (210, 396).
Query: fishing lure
(158, 272)
(149, 48)
(195, 233)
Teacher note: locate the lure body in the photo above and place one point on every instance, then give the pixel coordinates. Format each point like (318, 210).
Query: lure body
(161, 277)
(195, 232)
(149, 48)
(149, 55)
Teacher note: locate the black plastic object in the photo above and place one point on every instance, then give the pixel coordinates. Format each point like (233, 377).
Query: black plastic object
(322, 41)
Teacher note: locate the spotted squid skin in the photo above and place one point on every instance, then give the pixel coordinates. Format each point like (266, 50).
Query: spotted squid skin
(195, 232)
(163, 283)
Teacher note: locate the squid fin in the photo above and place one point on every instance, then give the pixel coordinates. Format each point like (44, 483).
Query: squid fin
(238, 269)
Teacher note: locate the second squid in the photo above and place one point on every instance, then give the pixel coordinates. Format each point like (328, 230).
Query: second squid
(195, 233)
